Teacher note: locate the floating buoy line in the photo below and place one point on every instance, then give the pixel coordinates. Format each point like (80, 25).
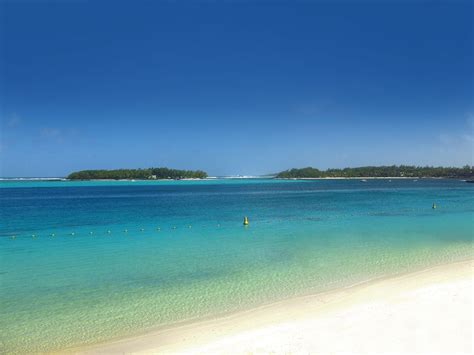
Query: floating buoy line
(124, 231)
(158, 229)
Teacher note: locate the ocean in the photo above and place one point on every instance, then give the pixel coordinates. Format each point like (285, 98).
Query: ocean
(85, 262)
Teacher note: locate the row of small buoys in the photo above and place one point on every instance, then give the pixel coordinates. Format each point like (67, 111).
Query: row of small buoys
(72, 234)
(52, 235)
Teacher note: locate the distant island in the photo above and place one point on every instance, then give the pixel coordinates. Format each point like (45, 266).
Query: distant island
(402, 171)
(139, 174)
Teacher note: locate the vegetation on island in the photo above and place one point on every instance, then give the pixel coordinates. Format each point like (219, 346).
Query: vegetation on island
(381, 171)
(139, 174)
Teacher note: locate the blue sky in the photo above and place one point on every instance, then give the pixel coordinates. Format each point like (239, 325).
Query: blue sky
(234, 87)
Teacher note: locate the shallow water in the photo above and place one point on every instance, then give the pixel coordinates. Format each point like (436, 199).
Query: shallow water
(120, 275)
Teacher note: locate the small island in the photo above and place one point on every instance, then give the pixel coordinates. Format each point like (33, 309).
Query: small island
(393, 171)
(139, 174)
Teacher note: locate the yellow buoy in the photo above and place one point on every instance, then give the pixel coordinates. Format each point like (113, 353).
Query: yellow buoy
(246, 221)
(434, 206)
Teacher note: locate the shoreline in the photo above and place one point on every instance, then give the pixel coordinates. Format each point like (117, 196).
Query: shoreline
(290, 325)
(373, 178)
(235, 178)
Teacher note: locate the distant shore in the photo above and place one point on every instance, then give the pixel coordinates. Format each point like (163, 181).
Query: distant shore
(211, 178)
(408, 313)
(360, 178)
(185, 179)
(373, 178)
(239, 178)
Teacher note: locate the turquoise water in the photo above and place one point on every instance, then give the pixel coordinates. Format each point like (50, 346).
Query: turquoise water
(304, 237)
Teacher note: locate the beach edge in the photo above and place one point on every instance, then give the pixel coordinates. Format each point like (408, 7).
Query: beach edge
(220, 334)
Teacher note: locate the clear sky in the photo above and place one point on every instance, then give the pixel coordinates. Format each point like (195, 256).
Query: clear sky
(234, 87)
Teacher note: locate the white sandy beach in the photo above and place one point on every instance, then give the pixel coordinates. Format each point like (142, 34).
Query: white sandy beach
(430, 311)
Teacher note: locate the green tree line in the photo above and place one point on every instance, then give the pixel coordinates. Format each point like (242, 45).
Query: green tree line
(141, 174)
(381, 171)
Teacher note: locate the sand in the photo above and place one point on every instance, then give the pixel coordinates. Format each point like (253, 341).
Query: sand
(430, 311)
